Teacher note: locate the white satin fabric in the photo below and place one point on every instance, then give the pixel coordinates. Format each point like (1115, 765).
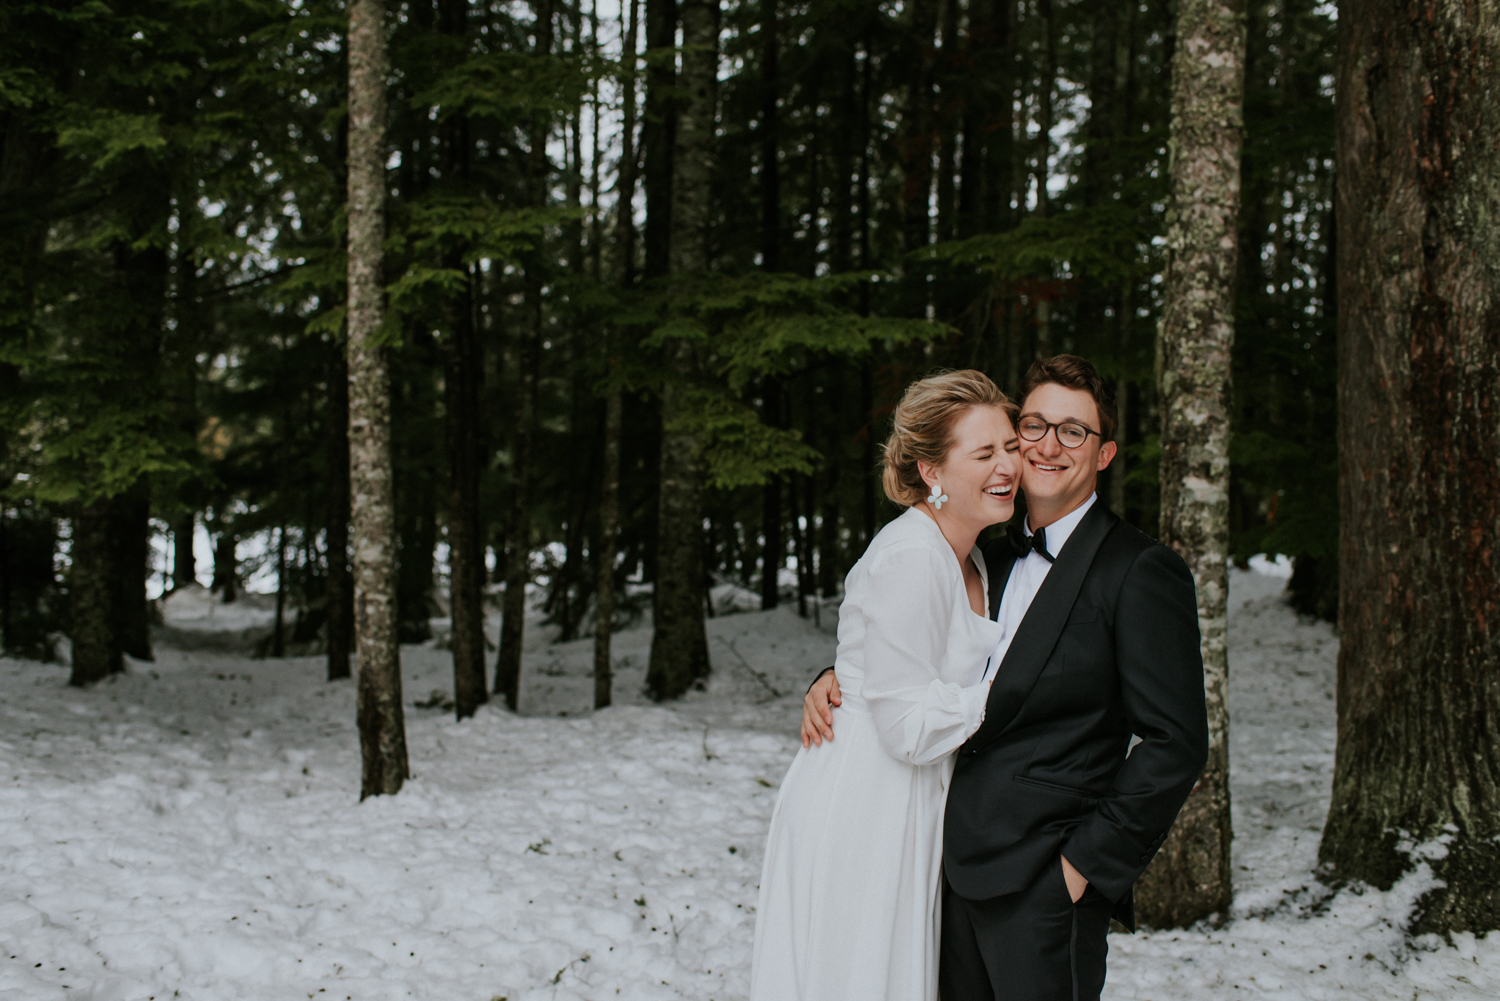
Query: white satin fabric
(848, 904)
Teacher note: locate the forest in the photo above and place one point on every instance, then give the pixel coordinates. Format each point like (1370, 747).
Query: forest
(175, 283)
(594, 308)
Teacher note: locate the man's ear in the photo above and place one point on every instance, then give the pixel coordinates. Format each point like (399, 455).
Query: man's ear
(1107, 454)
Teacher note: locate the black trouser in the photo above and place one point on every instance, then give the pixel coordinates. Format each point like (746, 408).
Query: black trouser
(1035, 945)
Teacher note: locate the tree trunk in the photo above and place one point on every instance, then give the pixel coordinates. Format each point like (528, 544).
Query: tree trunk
(278, 626)
(382, 725)
(226, 582)
(131, 536)
(184, 570)
(772, 548)
(625, 209)
(770, 167)
(96, 651)
(609, 501)
(461, 376)
(917, 138)
(950, 91)
(659, 134)
(528, 368)
(417, 471)
(679, 644)
(1190, 878)
(609, 534)
(1418, 212)
(340, 595)
(802, 526)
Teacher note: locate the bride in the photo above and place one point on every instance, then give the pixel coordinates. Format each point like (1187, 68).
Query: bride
(849, 894)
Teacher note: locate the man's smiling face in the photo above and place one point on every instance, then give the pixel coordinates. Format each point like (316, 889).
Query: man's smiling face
(1057, 480)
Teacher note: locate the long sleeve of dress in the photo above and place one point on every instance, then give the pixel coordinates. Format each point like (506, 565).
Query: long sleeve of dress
(909, 615)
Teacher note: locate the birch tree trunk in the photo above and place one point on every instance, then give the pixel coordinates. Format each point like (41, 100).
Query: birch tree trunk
(1418, 213)
(382, 725)
(1190, 878)
(679, 644)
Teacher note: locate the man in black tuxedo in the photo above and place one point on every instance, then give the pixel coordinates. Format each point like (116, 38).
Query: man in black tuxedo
(1052, 813)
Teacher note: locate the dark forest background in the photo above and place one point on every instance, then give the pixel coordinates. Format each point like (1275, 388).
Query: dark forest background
(896, 189)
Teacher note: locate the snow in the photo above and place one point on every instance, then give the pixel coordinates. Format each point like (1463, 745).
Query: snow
(190, 829)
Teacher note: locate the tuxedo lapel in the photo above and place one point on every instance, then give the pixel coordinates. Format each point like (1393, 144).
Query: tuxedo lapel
(1043, 623)
(999, 561)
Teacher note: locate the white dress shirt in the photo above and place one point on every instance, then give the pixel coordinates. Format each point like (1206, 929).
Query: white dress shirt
(1027, 575)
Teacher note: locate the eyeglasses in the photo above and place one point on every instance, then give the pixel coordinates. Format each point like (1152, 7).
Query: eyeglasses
(1070, 434)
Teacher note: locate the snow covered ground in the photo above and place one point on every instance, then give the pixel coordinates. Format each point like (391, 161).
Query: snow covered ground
(190, 830)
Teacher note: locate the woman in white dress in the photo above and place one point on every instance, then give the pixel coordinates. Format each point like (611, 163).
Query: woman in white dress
(849, 894)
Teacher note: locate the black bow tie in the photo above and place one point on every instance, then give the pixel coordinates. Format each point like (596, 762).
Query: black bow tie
(1025, 545)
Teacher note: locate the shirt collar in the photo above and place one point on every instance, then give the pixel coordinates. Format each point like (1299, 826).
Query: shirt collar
(1059, 531)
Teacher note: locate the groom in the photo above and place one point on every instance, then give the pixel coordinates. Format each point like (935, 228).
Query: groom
(1052, 813)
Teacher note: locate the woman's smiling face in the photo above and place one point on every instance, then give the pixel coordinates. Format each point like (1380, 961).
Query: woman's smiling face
(981, 471)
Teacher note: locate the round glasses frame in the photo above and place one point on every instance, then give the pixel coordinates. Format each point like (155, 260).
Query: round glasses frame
(1070, 428)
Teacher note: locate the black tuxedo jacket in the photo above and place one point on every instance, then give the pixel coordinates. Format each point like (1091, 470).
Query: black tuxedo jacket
(1108, 648)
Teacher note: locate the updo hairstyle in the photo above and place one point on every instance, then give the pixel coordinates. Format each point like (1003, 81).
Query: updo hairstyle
(924, 427)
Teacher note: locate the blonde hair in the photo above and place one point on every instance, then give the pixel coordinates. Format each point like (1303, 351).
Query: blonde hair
(924, 427)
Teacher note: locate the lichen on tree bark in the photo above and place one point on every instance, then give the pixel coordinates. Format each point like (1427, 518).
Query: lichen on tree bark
(1190, 878)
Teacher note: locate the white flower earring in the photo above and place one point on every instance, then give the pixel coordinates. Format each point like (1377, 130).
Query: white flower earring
(937, 497)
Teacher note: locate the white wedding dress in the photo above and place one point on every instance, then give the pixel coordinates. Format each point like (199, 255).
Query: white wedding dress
(849, 894)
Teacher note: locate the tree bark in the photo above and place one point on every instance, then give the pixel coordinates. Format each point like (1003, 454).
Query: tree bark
(462, 372)
(382, 725)
(528, 368)
(417, 472)
(950, 100)
(1418, 214)
(278, 626)
(1190, 878)
(625, 207)
(96, 650)
(184, 570)
(679, 644)
(659, 134)
(770, 167)
(917, 132)
(609, 501)
(465, 554)
(226, 582)
(609, 535)
(131, 537)
(340, 593)
(773, 547)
